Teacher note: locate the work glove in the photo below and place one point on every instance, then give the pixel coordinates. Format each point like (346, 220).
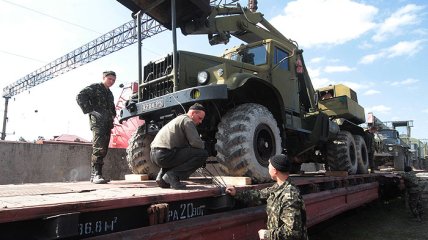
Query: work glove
(95, 114)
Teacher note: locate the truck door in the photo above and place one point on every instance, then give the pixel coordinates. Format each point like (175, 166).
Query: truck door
(288, 87)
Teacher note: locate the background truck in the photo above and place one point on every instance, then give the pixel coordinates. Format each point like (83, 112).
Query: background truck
(390, 149)
(259, 97)
(416, 152)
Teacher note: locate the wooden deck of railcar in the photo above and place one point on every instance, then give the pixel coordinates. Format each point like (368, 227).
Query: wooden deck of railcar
(121, 206)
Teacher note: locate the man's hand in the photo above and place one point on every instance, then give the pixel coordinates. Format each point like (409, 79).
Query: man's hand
(231, 191)
(95, 114)
(262, 233)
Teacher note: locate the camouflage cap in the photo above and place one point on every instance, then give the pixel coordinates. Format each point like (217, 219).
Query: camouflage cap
(107, 73)
(280, 162)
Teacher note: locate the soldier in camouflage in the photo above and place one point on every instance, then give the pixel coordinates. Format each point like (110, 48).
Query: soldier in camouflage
(97, 100)
(414, 191)
(284, 205)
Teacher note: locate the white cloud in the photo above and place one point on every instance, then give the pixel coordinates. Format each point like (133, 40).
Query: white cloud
(313, 72)
(333, 69)
(318, 82)
(365, 45)
(371, 92)
(378, 109)
(409, 81)
(370, 58)
(425, 111)
(337, 21)
(403, 48)
(317, 60)
(420, 31)
(404, 16)
(321, 82)
(355, 86)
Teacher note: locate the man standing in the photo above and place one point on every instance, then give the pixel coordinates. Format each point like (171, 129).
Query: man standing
(413, 190)
(285, 207)
(178, 149)
(97, 100)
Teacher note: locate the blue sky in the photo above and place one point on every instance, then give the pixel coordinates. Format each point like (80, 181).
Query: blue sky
(377, 47)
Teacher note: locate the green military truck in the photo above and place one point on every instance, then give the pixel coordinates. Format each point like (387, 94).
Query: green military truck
(390, 150)
(259, 97)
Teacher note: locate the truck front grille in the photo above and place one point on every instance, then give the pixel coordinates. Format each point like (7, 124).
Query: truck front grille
(153, 71)
(158, 89)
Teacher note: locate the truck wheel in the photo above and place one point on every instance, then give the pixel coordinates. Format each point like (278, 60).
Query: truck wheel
(247, 137)
(138, 153)
(362, 154)
(341, 153)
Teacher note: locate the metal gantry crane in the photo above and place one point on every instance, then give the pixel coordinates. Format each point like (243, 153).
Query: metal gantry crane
(129, 33)
(110, 42)
(120, 37)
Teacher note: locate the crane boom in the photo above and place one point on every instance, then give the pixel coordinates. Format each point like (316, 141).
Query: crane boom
(116, 39)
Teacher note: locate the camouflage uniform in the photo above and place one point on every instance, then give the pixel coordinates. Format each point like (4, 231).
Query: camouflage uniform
(414, 193)
(97, 97)
(285, 210)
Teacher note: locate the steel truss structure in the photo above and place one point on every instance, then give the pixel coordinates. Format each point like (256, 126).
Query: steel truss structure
(110, 42)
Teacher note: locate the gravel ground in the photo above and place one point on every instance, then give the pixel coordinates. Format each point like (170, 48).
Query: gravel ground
(380, 220)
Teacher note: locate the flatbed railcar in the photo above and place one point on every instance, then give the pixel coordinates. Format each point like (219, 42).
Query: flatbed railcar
(122, 209)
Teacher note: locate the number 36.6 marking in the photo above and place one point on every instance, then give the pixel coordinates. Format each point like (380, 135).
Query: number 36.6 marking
(97, 227)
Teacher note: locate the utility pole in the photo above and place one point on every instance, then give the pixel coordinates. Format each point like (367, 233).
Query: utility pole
(3, 133)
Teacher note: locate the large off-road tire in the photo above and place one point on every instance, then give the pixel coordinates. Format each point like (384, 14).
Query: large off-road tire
(247, 137)
(138, 153)
(362, 154)
(341, 153)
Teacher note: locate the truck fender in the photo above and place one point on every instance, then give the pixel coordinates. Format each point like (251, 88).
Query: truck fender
(237, 80)
(245, 82)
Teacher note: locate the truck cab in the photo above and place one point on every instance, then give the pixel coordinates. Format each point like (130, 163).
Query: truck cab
(391, 150)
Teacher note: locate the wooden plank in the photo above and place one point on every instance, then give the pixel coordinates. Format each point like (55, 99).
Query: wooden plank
(235, 181)
(98, 197)
(136, 177)
(30, 201)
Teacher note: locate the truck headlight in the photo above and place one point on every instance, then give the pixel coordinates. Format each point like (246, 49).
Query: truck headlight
(203, 77)
(220, 72)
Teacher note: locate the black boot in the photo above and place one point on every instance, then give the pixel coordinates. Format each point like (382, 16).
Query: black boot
(97, 174)
(173, 180)
(161, 183)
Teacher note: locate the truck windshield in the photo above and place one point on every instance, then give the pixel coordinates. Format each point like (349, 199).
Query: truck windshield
(255, 55)
(387, 134)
